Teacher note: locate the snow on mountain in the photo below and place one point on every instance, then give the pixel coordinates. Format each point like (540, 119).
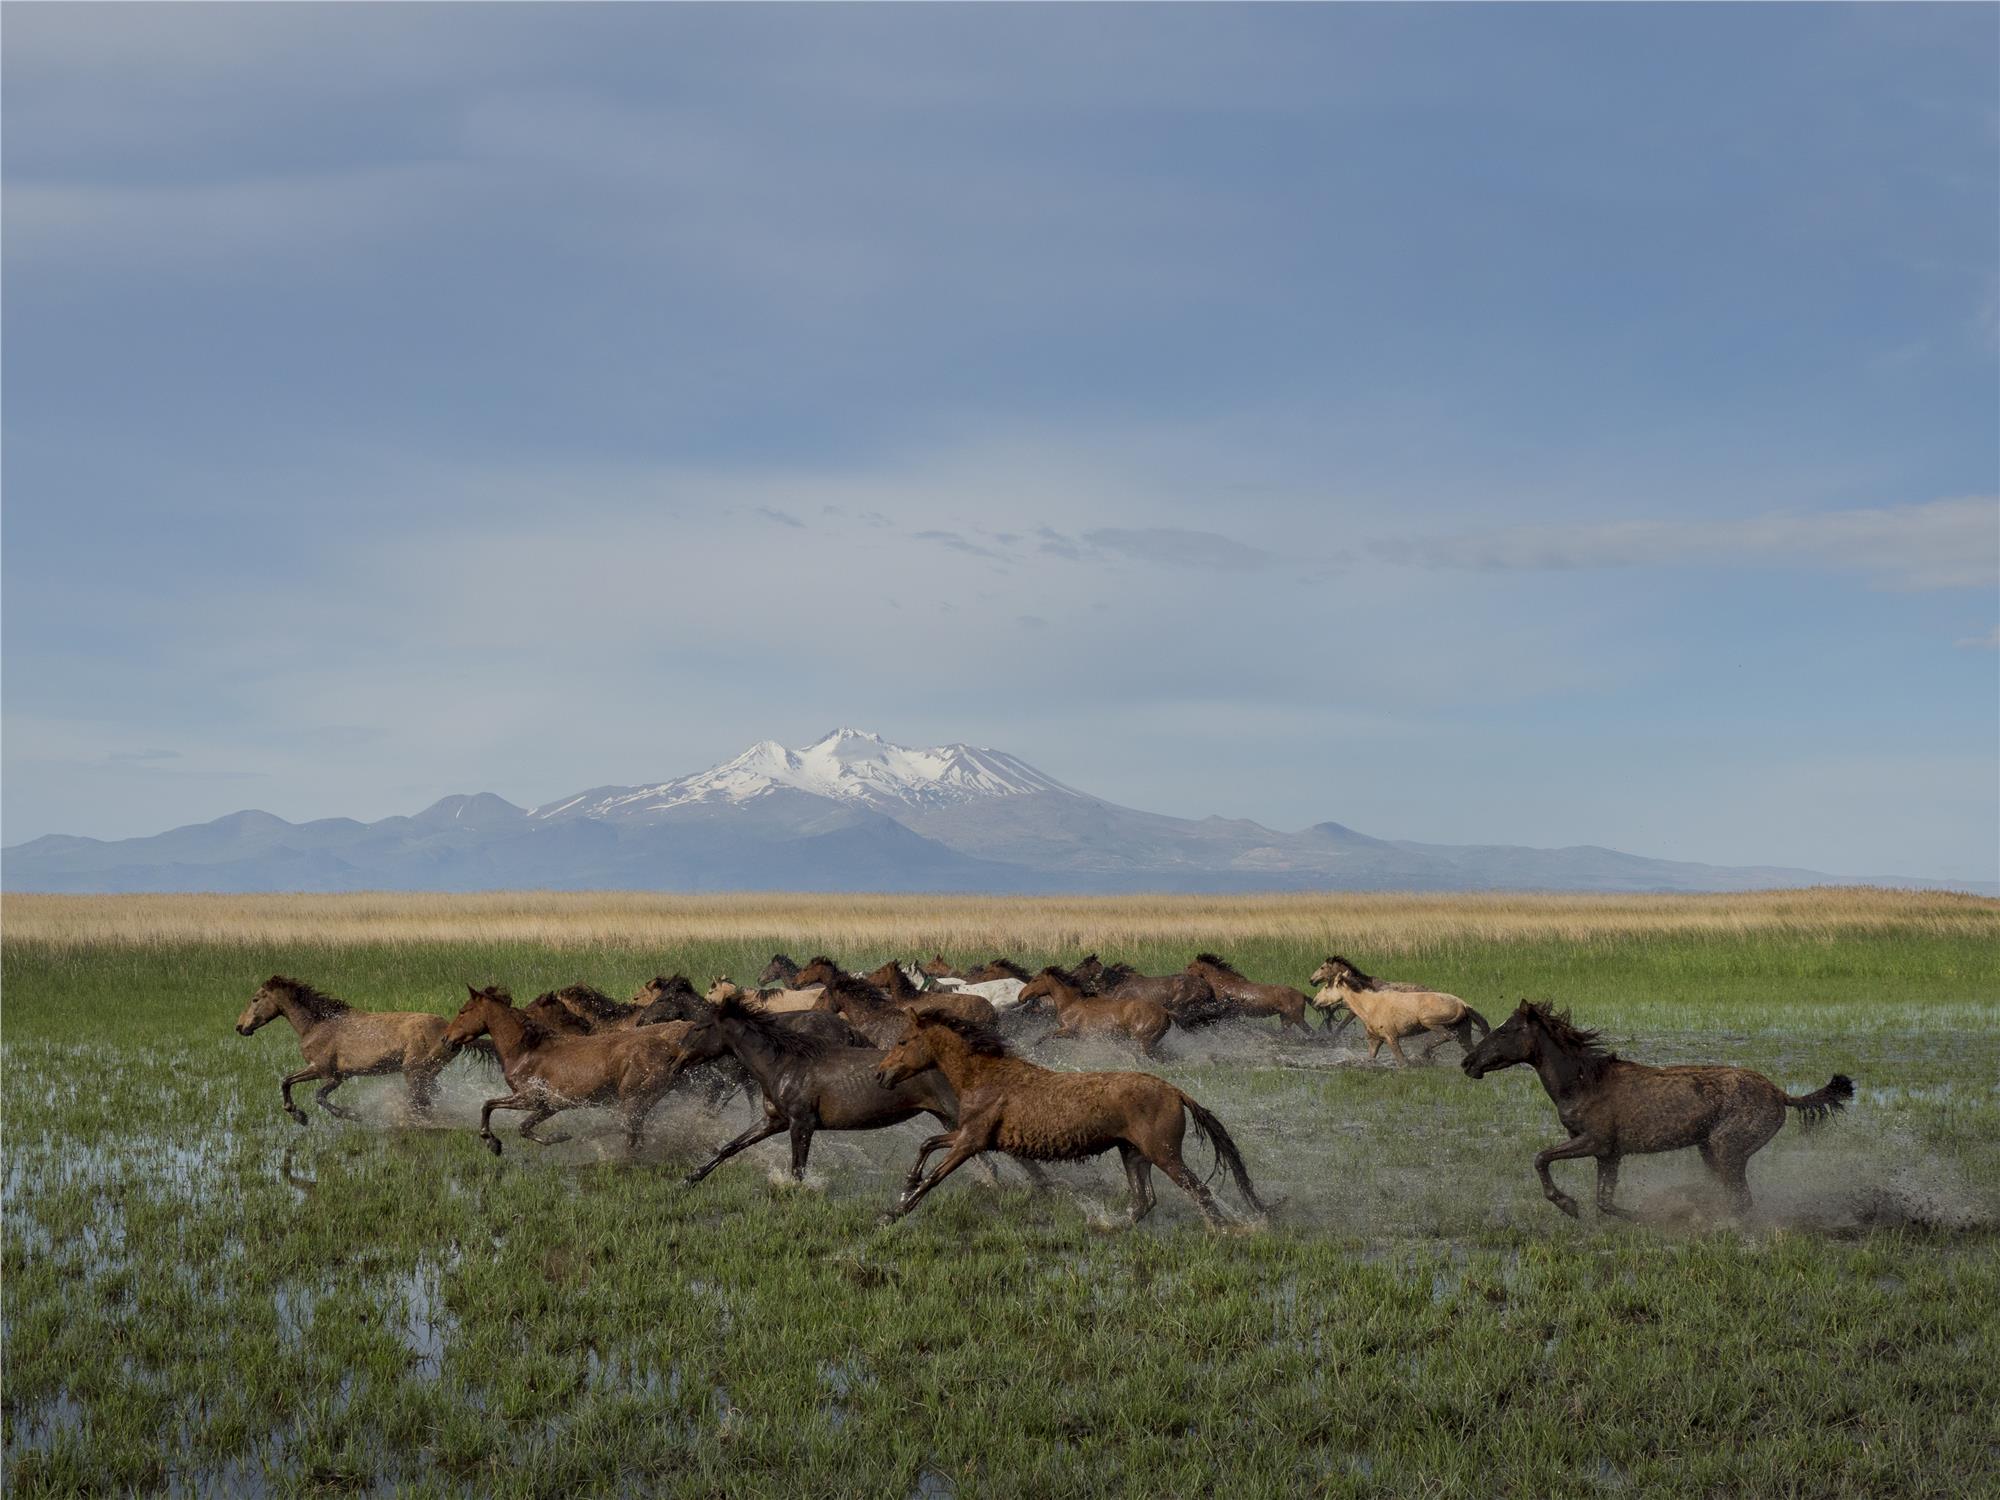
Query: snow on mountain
(848, 765)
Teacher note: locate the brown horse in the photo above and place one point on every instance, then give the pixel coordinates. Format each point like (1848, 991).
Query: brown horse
(938, 967)
(1613, 1108)
(997, 968)
(590, 1009)
(1035, 1114)
(1144, 1022)
(1188, 998)
(339, 1043)
(550, 1072)
(1388, 1011)
(809, 1084)
(1250, 997)
(779, 971)
(894, 983)
(864, 1007)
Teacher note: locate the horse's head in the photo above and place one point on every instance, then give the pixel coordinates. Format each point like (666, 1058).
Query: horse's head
(821, 970)
(705, 1038)
(1090, 970)
(473, 1016)
(780, 970)
(937, 968)
(1042, 987)
(724, 988)
(916, 1051)
(1515, 1040)
(263, 1005)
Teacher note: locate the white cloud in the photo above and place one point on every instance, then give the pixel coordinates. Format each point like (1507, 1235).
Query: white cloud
(1937, 545)
(1987, 642)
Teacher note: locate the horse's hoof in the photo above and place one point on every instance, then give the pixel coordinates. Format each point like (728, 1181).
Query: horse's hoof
(1567, 1205)
(888, 1217)
(693, 1179)
(492, 1143)
(298, 1115)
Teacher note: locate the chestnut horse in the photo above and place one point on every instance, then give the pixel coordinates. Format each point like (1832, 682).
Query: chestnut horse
(1613, 1108)
(1388, 1011)
(1250, 997)
(339, 1043)
(1036, 1114)
(1144, 1022)
(550, 1072)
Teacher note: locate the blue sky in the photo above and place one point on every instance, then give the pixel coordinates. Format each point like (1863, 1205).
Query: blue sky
(1542, 425)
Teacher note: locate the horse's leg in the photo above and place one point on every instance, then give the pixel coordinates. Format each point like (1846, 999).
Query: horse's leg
(1575, 1146)
(505, 1101)
(802, 1144)
(1607, 1186)
(1439, 1036)
(1729, 1169)
(960, 1154)
(1396, 1046)
(930, 1144)
(543, 1109)
(635, 1117)
(422, 1081)
(763, 1131)
(1374, 1046)
(1139, 1178)
(1169, 1160)
(338, 1111)
(304, 1075)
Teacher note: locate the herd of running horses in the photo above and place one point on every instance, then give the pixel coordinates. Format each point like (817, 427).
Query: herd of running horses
(831, 1050)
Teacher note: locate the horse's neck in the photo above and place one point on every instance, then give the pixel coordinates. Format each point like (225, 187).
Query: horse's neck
(509, 1031)
(1349, 995)
(1562, 1075)
(957, 1062)
(756, 1054)
(302, 1019)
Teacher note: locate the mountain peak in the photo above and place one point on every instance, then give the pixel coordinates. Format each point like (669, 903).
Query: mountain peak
(847, 765)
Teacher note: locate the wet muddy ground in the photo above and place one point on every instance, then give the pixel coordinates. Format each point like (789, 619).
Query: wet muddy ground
(202, 1297)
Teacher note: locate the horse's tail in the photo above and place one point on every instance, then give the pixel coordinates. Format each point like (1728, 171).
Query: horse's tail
(1816, 1106)
(1213, 1131)
(1485, 1026)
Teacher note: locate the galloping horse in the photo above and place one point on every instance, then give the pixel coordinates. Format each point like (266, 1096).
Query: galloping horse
(339, 1043)
(904, 995)
(1250, 997)
(550, 1072)
(1143, 1022)
(1190, 999)
(1036, 1114)
(810, 1084)
(1613, 1108)
(771, 1002)
(1388, 1012)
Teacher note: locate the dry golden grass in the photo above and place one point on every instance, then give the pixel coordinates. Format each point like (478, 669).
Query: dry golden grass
(1378, 922)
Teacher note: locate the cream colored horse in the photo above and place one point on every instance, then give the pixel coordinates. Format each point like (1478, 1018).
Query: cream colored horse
(1388, 1012)
(771, 1002)
(340, 1042)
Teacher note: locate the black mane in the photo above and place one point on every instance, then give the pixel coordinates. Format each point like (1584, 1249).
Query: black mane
(1360, 980)
(315, 1003)
(782, 1039)
(594, 1001)
(1217, 963)
(1008, 967)
(1581, 1043)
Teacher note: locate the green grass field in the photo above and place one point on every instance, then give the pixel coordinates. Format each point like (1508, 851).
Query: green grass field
(201, 1296)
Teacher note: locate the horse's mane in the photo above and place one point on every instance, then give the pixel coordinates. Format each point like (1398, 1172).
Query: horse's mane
(820, 958)
(534, 1029)
(1008, 967)
(1361, 981)
(981, 1036)
(315, 1003)
(1063, 976)
(1579, 1042)
(595, 1001)
(1217, 963)
(790, 1041)
(854, 987)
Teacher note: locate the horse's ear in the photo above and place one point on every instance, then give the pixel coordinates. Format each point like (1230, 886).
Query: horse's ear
(474, 993)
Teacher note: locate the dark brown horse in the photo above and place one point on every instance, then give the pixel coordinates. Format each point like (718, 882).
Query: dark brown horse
(549, 1072)
(1143, 1022)
(997, 968)
(1613, 1108)
(1251, 998)
(668, 997)
(809, 1083)
(1034, 1114)
(1188, 998)
(339, 1042)
(780, 971)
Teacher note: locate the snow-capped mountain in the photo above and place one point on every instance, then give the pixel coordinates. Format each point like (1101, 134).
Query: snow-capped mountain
(848, 766)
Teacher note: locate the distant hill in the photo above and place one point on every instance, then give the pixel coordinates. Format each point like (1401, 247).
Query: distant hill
(849, 812)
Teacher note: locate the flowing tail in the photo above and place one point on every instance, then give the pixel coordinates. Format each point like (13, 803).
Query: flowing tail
(1485, 1026)
(1815, 1107)
(1211, 1130)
